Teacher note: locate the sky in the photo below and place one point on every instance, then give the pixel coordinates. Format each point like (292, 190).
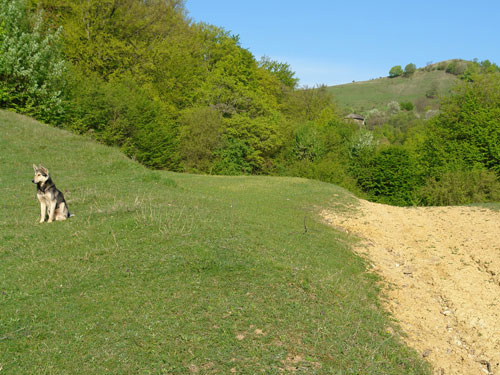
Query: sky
(332, 42)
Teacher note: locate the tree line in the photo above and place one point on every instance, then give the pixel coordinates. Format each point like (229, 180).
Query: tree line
(184, 96)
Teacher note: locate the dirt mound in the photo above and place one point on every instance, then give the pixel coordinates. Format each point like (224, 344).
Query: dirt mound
(442, 268)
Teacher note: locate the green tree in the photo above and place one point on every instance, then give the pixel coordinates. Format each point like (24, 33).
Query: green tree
(396, 71)
(466, 133)
(281, 70)
(410, 69)
(200, 136)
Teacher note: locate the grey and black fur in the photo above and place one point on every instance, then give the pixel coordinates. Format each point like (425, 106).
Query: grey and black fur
(52, 203)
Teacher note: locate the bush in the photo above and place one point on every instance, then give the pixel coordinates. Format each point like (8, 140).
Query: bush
(393, 107)
(31, 64)
(406, 106)
(390, 176)
(376, 118)
(309, 142)
(433, 90)
(457, 67)
(461, 187)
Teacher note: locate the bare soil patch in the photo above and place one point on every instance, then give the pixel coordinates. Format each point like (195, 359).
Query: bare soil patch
(442, 269)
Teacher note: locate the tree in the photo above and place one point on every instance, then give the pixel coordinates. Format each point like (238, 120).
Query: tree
(396, 71)
(466, 135)
(280, 70)
(410, 69)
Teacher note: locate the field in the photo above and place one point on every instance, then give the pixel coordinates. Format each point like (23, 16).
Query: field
(442, 266)
(164, 273)
(366, 95)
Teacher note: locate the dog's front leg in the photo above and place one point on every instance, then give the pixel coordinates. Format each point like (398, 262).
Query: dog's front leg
(43, 211)
(52, 211)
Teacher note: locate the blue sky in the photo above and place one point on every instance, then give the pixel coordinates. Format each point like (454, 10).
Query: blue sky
(333, 42)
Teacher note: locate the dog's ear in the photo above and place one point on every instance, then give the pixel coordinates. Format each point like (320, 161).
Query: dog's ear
(35, 167)
(44, 170)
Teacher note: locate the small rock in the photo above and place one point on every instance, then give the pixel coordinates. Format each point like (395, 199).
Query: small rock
(446, 312)
(426, 353)
(487, 364)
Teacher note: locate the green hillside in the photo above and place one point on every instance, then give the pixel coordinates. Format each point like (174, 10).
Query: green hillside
(164, 273)
(376, 93)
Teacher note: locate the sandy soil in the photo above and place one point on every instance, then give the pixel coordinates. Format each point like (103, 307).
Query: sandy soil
(442, 269)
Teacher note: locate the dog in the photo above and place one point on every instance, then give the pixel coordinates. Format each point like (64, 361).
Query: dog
(52, 203)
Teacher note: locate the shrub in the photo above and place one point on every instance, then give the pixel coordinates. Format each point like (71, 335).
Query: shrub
(309, 142)
(433, 90)
(461, 187)
(376, 118)
(442, 65)
(406, 106)
(31, 64)
(422, 104)
(391, 176)
(456, 67)
(393, 107)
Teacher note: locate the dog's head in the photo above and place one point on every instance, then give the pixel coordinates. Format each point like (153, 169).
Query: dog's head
(41, 175)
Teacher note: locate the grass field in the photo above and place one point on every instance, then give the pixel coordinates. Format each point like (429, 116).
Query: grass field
(366, 95)
(164, 273)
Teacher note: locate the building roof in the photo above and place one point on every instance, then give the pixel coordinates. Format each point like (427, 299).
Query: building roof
(353, 116)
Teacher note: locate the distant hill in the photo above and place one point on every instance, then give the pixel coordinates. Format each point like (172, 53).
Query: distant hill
(363, 96)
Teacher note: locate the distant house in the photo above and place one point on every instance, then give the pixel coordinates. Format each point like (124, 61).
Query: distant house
(358, 119)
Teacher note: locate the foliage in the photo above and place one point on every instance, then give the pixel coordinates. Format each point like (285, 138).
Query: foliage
(396, 71)
(432, 92)
(461, 187)
(466, 132)
(281, 70)
(179, 95)
(393, 107)
(410, 69)
(456, 67)
(200, 136)
(31, 63)
(120, 113)
(406, 106)
(390, 176)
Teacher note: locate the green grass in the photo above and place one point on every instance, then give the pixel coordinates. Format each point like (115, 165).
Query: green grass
(164, 273)
(366, 95)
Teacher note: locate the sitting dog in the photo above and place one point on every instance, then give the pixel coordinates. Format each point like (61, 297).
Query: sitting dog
(52, 203)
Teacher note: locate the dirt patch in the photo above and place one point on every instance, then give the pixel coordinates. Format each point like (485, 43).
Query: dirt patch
(442, 268)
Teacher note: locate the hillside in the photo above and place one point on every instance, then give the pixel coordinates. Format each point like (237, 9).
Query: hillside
(170, 273)
(376, 93)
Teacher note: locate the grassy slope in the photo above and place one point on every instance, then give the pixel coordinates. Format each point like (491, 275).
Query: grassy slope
(362, 96)
(163, 273)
